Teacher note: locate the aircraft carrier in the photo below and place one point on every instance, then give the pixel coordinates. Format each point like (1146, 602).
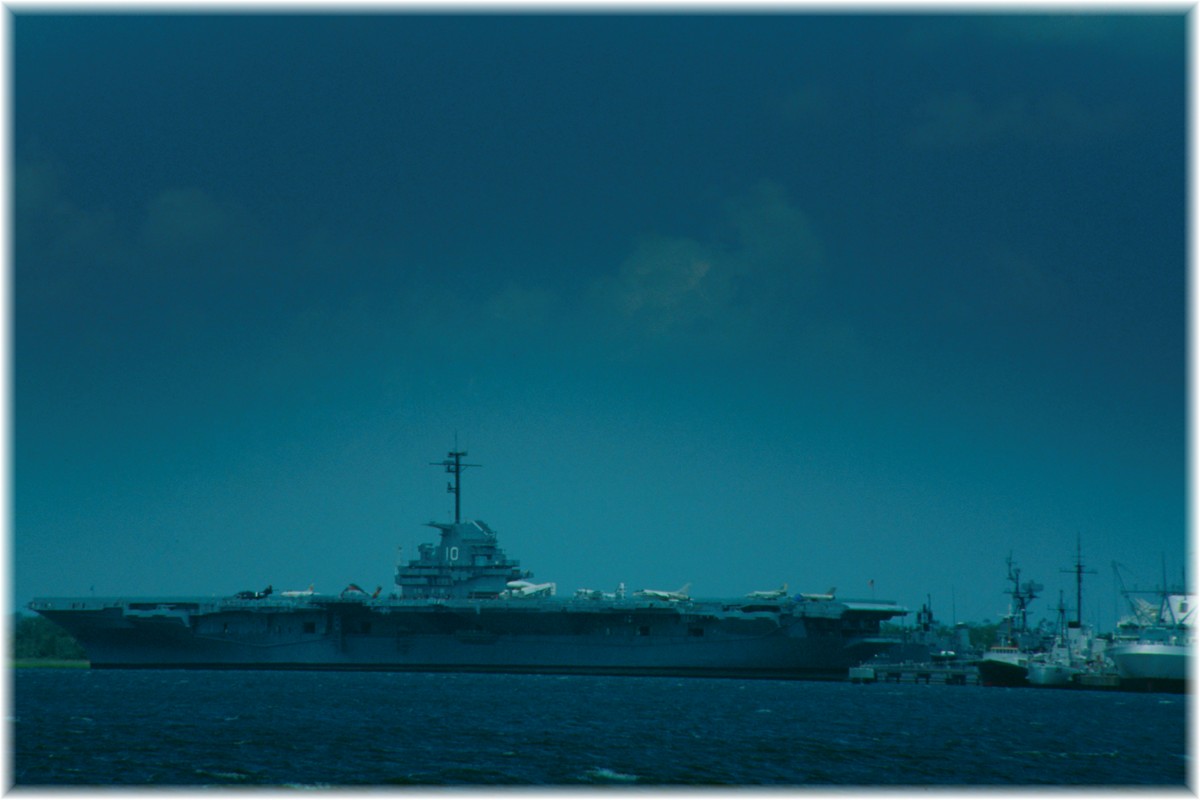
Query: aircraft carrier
(464, 606)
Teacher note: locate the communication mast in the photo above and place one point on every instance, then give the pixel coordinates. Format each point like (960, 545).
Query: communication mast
(1079, 573)
(454, 466)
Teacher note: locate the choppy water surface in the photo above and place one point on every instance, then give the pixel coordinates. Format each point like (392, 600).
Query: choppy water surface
(337, 729)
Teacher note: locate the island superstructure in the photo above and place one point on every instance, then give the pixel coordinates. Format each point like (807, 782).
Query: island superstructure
(463, 605)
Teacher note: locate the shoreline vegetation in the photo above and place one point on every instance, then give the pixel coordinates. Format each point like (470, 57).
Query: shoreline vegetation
(38, 642)
(49, 663)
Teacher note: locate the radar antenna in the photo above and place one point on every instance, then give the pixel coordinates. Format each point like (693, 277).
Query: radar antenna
(454, 466)
(1022, 593)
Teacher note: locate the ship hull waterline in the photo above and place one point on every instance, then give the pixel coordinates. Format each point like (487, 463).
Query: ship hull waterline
(1152, 666)
(1003, 673)
(562, 639)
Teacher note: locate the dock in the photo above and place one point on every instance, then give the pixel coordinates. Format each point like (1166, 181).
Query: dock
(1090, 680)
(908, 672)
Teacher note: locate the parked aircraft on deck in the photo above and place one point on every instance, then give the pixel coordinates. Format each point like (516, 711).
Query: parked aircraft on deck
(769, 595)
(659, 594)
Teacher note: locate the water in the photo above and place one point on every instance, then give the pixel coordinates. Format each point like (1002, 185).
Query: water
(344, 729)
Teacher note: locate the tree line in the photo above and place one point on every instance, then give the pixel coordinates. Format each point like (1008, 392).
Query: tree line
(982, 634)
(39, 638)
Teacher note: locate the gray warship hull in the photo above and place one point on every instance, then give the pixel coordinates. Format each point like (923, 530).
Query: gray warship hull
(463, 605)
(780, 640)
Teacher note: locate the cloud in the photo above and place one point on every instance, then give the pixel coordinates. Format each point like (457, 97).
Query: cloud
(80, 264)
(773, 234)
(665, 277)
(961, 119)
(61, 250)
(53, 232)
(49, 227)
(521, 306)
(668, 288)
(1003, 287)
(808, 104)
(1021, 281)
(190, 219)
(722, 286)
(1138, 35)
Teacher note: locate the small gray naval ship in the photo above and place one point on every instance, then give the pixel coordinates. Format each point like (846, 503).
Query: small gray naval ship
(464, 606)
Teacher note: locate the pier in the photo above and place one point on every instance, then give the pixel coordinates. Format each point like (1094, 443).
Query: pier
(908, 672)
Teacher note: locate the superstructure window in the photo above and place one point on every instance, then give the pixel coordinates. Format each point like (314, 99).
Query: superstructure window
(644, 630)
(310, 627)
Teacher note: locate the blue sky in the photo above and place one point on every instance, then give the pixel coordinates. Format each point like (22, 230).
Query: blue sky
(729, 300)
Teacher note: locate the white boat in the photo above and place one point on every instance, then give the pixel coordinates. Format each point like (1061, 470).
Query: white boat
(1004, 665)
(1166, 661)
(1067, 657)
(1158, 654)
(1047, 673)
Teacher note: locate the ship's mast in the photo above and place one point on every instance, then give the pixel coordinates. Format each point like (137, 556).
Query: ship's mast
(454, 466)
(1079, 573)
(1022, 593)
